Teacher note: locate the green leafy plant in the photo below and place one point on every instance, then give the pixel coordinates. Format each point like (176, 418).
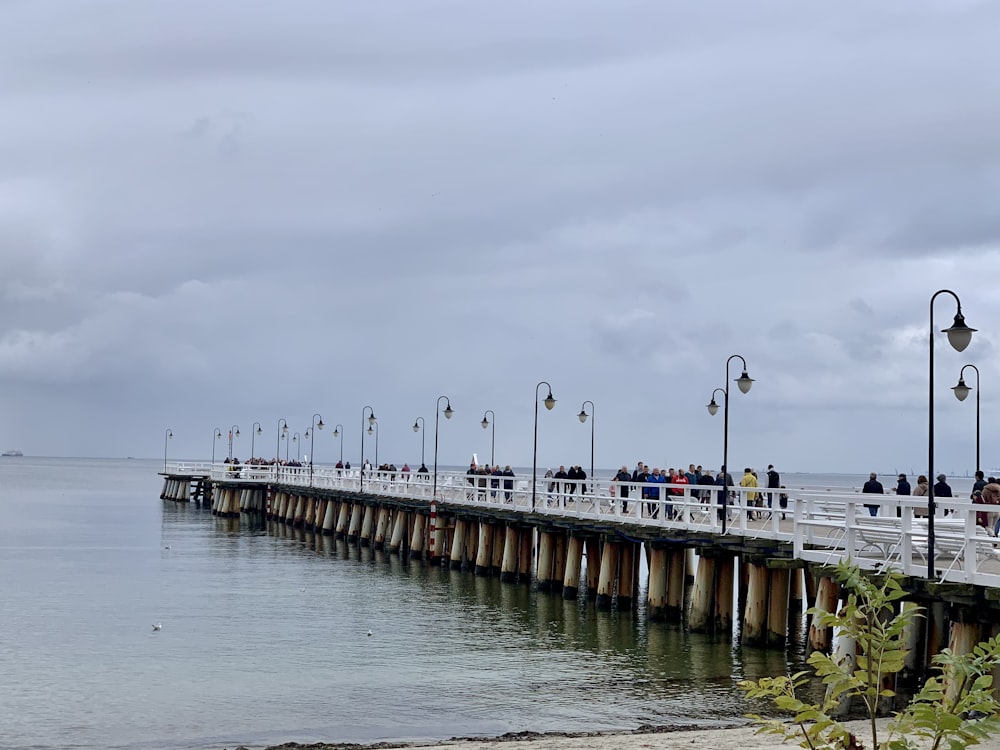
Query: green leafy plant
(963, 714)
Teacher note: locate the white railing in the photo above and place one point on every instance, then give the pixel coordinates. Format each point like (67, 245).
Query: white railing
(822, 526)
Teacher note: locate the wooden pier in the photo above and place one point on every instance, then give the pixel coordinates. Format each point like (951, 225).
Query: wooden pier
(753, 573)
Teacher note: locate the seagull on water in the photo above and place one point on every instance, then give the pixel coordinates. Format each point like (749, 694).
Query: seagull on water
(157, 626)
(369, 634)
(167, 547)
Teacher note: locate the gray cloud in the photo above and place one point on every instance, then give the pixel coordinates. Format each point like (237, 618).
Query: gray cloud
(218, 213)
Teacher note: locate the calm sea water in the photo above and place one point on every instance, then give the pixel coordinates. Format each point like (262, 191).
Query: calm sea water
(264, 633)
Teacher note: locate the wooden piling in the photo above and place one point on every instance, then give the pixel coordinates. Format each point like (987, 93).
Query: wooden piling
(545, 555)
(609, 572)
(725, 573)
(676, 560)
(777, 615)
(827, 596)
(484, 548)
(574, 563)
(457, 545)
(656, 594)
(628, 558)
(700, 618)
(511, 546)
(593, 548)
(754, 632)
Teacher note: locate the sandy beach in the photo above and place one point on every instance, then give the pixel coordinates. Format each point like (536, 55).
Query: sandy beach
(658, 738)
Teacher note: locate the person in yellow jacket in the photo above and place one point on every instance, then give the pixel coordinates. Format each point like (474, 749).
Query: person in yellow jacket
(749, 480)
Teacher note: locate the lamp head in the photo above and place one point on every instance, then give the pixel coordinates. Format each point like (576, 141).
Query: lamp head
(448, 411)
(336, 432)
(416, 426)
(744, 381)
(549, 401)
(485, 423)
(259, 430)
(371, 429)
(713, 408)
(237, 433)
(961, 390)
(170, 434)
(284, 430)
(319, 425)
(582, 416)
(371, 419)
(959, 335)
(308, 433)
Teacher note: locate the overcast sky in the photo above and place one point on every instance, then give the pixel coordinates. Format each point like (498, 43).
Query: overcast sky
(221, 212)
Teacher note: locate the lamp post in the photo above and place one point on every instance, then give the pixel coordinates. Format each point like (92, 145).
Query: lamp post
(418, 426)
(312, 437)
(295, 439)
(582, 416)
(437, 419)
(255, 430)
(959, 336)
(166, 436)
(961, 392)
(493, 433)
(338, 432)
(549, 403)
(371, 420)
(744, 382)
(217, 435)
(373, 428)
(282, 431)
(234, 431)
(448, 411)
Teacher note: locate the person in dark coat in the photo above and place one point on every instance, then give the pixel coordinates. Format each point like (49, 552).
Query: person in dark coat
(622, 478)
(942, 488)
(773, 483)
(873, 487)
(508, 484)
(902, 485)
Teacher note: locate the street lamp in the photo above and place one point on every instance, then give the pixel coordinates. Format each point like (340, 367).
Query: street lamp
(493, 436)
(549, 403)
(295, 439)
(744, 382)
(447, 415)
(371, 420)
(373, 427)
(255, 430)
(312, 437)
(234, 431)
(166, 436)
(959, 336)
(961, 392)
(338, 432)
(217, 435)
(282, 431)
(418, 426)
(582, 416)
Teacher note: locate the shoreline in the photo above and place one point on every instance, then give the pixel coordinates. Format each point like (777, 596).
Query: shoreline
(662, 737)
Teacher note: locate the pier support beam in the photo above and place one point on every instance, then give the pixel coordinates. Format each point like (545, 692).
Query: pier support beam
(417, 537)
(574, 562)
(484, 552)
(700, 618)
(593, 547)
(656, 594)
(458, 545)
(755, 618)
(777, 614)
(511, 548)
(725, 576)
(609, 570)
(827, 595)
(628, 569)
(676, 560)
(546, 553)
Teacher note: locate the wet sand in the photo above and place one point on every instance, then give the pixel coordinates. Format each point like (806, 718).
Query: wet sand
(656, 738)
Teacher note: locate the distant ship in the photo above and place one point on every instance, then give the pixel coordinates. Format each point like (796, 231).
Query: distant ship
(11, 453)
